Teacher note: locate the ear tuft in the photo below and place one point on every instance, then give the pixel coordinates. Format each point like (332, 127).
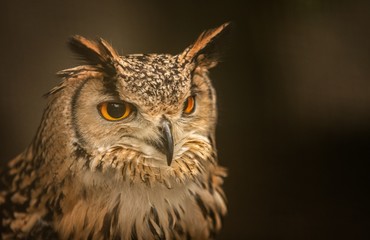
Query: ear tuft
(204, 50)
(99, 53)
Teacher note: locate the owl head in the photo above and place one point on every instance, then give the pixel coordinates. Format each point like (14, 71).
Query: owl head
(142, 114)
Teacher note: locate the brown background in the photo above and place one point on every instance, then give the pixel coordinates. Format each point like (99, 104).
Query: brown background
(294, 98)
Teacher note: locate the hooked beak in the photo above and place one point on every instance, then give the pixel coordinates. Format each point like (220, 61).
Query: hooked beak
(167, 139)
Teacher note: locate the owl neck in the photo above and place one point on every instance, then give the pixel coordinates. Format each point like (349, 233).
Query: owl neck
(123, 209)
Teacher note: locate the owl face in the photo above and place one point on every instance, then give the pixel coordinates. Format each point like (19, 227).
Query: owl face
(154, 106)
(153, 110)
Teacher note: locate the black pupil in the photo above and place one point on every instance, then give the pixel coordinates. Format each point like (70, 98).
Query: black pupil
(186, 103)
(116, 110)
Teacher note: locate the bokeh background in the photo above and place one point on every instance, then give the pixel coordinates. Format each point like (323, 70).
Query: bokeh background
(293, 89)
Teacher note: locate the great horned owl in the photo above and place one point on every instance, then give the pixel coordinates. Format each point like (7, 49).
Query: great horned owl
(125, 150)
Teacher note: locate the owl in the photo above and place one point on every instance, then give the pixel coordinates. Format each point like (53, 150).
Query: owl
(125, 150)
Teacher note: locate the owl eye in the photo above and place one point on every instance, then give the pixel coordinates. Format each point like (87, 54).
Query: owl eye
(115, 111)
(189, 105)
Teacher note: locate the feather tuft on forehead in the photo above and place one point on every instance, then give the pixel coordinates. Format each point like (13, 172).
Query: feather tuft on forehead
(204, 50)
(98, 52)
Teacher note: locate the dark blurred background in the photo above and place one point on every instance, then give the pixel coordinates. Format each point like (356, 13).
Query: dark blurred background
(293, 89)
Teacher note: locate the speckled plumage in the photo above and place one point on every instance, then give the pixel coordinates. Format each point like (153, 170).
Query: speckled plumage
(84, 177)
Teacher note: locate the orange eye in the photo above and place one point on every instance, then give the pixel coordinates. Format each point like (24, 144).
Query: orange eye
(115, 111)
(189, 105)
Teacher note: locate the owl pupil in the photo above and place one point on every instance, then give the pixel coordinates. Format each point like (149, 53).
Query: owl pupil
(116, 110)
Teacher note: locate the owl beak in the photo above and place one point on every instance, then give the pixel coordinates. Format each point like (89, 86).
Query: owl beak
(167, 140)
